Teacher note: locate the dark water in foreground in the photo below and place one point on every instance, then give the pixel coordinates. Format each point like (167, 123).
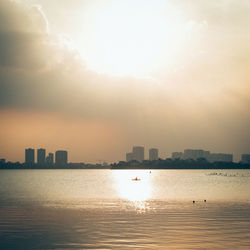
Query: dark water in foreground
(104, 209)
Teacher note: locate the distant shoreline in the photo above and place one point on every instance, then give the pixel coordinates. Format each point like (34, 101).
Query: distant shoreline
(166, 164)
(124, 168)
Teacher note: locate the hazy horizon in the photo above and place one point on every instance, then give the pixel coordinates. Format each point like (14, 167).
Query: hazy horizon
(97, 77)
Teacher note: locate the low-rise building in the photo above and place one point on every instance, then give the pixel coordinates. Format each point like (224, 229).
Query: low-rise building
(177, 155)
(245, 158)
(129, 156)
(195, 154)
(221, 158)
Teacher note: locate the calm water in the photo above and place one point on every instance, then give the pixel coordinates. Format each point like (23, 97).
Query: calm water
(104, 209)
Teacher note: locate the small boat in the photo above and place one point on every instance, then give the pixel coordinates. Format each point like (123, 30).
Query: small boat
(136, 179)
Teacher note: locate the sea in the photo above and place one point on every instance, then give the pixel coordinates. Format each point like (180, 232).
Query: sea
(124, 209)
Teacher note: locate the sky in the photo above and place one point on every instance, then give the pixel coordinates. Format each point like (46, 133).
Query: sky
(96, 77)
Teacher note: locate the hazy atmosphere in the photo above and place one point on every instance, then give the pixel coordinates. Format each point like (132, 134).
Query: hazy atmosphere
(97, 77)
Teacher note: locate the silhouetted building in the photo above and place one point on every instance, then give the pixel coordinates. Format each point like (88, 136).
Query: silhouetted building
(129, 156)
(195, 154)
(2, 161)
(177, 155)
(206, 155)
(41, 154)
(61, 157)
(221, 158)
(153, 154)
(138, 153)
(50, 159)
(29, 155)
(245, 158)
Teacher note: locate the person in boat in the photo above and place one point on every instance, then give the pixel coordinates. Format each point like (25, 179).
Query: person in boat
(136, 179)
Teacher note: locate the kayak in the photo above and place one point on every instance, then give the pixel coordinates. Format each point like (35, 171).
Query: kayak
(136, 179)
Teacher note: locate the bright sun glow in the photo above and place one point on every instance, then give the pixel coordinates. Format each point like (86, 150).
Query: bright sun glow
(133, 190)
(133, 37)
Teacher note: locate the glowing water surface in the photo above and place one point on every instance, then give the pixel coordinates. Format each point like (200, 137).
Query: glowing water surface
(107, 209)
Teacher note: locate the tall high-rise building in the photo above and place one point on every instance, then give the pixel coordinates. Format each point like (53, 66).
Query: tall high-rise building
(245, 158)
(138, 153)
(50, 159)
(61, 157)
(153, 154)
(29, 155)
(41, 154)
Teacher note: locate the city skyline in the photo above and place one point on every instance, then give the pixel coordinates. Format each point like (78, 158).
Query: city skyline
(162, 154)
(40, 157)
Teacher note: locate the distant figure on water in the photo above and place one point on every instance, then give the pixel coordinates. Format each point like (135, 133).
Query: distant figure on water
(136, 179)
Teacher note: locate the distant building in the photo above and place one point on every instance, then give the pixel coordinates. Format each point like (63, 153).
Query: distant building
(195, 154)
(29, 155)
(153, 154)
(2, 161)
(129, 156)
(206, 155)
(41, 153)
(61, 157)
(50, 159)
(245, 158)
(221, 158)
(138, 153)
(177, 155)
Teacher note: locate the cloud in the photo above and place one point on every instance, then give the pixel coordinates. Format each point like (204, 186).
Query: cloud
(23, 36)
(41, 71)
(205, 97)
(18, 17)
(40, 18)
(49, 74)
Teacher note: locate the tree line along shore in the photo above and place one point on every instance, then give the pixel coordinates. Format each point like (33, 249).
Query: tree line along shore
(146, 164)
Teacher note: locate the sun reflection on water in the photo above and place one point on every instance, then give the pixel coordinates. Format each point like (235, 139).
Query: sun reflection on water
(135, 191)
